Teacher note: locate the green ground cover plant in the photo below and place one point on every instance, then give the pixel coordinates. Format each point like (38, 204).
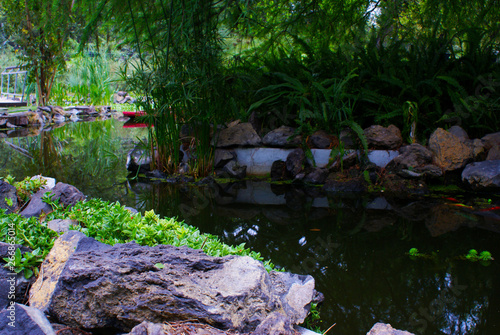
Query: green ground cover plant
(112, 223)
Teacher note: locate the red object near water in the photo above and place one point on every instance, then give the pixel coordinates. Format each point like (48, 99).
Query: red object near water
(134, 114)
(135, 125)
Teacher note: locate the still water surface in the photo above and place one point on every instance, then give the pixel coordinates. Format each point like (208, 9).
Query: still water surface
(355, 247)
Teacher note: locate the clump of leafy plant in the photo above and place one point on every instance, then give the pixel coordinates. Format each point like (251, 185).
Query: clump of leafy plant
(27, 263)
(30, 233)
(27, 187)
(474, 256)
(112, 223)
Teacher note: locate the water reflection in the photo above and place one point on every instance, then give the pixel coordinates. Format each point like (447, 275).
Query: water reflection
(88, 155)
(356, 248)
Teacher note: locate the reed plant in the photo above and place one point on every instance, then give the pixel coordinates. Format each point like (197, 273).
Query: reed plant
(180, 80)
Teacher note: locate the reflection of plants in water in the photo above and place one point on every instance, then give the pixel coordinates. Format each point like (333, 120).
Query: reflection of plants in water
(89, 155)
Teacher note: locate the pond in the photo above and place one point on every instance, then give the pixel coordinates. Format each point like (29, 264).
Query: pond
(356, 247)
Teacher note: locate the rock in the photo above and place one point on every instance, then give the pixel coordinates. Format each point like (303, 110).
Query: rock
(460, 133)
(233, 170)
(279, 171)
(242, 135)
(139, 160)
(379, 137)
(414, 162)
(122, 97)
(176, 328)
(61, 226)
(90, 285)
(482, 175)
(61, 329)
(316, 176)
(8, 193)
(478, 151)
(348, 138)
(35, 118)
(381, 157)
(321, 140)
(276, 323)
(493, 153)
(349, 159)
(24, 320)
(450, 153)
(386, 329)
(156, 174)
(67, 195)
(222, 157)
(429, 170)
(491, 140)
(412, 155)
(282, 137)
(13, 120)
(36, 205)
(295, 161)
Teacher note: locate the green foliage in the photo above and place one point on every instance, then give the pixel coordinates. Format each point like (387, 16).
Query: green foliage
(41, 29)
(111, 223)
(27, 187)
(484, 256)
(27, 263)
(87, 81)
(414, 253)
(30, 233)
(313, 102)
(313, 319)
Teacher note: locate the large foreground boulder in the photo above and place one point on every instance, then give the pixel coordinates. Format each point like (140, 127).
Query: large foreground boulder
(94, 286)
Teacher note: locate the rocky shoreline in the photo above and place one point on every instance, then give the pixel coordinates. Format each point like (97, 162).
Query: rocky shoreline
(339, 163)
(388, 165)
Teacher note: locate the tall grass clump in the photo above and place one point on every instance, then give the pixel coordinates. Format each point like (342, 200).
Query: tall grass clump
(181, 81)
(88, 80)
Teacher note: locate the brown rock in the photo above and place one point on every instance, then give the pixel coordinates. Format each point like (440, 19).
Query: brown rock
(241, 134)
(450, 153)
(379, 137)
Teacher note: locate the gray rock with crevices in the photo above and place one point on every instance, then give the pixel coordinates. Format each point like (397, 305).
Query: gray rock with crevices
(93, 286)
